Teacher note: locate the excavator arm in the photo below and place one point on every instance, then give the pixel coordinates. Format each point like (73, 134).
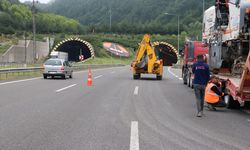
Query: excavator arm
(145, 49)
(145, 46)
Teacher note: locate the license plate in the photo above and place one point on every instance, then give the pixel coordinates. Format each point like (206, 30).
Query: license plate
(52, 72)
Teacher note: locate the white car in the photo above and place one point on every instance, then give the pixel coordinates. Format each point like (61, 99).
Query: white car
(57, 67)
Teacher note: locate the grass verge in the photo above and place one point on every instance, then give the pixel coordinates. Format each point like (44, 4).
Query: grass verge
(20, 75)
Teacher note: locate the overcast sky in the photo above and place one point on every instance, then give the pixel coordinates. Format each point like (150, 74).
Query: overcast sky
(41, 1)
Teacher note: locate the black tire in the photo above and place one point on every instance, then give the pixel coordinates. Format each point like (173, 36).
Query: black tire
(45, 76)
(247, 105)
(192, 83)
(184, 76)
(159, 77)
(189, 82)
(136, 76)
(63, 76)
(231, 103)
(71, 76)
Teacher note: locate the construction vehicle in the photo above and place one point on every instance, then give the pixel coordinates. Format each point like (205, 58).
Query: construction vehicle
(226, 30)
(151, 57)
(191, 50)
(146, 61)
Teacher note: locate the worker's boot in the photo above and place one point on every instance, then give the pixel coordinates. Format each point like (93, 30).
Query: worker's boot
(211, 107)
(199, 114)
(202, 114)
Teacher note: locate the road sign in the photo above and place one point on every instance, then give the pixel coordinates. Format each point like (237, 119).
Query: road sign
(81, 57)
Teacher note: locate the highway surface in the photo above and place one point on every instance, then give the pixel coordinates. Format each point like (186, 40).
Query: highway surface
(116, 113)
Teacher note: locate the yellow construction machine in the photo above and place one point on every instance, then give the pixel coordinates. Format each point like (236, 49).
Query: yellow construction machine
(146, 60)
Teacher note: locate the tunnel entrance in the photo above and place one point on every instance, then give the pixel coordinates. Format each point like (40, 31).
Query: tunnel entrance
(75, 47)
(167, 52)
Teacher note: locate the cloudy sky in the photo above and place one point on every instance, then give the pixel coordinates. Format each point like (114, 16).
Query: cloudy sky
(41, 1)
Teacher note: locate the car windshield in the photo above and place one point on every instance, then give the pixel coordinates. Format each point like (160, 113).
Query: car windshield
(53, 62)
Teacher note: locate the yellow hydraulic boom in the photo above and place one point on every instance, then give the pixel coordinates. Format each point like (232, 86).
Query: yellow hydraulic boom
(146, 61)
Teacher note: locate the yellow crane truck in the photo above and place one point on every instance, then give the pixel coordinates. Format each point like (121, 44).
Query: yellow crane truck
(146, 60)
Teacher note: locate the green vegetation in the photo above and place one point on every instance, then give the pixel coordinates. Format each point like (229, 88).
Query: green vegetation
(3, 48)
(16, 17)
(20, 75)
(135, 16)
(109, 60)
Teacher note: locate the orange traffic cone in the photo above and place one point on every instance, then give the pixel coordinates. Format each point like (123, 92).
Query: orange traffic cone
(89, 82)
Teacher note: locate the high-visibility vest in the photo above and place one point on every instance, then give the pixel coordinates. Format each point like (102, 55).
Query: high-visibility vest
(211, 96)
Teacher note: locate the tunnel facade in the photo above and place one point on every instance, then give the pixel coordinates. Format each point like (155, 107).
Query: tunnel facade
(75, 47)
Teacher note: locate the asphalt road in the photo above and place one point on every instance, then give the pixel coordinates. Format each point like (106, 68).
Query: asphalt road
(116, 113)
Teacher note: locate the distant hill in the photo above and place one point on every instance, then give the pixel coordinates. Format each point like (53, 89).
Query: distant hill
(134, 16)
(16, 17)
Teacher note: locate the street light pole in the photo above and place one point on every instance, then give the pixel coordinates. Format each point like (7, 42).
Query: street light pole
(34, 29)
(110, 19)
(178, 34)
(178, 17)
(203, 12)
(203, 7)
(25, 47)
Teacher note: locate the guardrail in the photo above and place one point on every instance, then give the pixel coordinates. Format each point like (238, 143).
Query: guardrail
(21, 71)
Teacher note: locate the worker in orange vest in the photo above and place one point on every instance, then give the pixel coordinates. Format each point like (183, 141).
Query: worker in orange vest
(212, 93)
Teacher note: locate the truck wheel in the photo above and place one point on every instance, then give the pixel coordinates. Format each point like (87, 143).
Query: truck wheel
(71, 76)
(184, 76)
(189, 82)
(136, 76)
(247, 104)
(231, 103)
(159, 77)
(45, 76)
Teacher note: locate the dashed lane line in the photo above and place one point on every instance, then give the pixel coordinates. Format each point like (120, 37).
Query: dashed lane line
(136, 91)
(65, 88)
(134, 136)
(98, 77)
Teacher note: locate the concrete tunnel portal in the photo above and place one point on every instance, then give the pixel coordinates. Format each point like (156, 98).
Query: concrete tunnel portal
(75, 47)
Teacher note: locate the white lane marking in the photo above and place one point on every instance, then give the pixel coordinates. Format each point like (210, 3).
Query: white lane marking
(11, 82)
(172, 72)
(136, 91)
(248, 120)
(62, 89)
(134, 136)
(98, 77)
(180, 78)
(112, 72)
